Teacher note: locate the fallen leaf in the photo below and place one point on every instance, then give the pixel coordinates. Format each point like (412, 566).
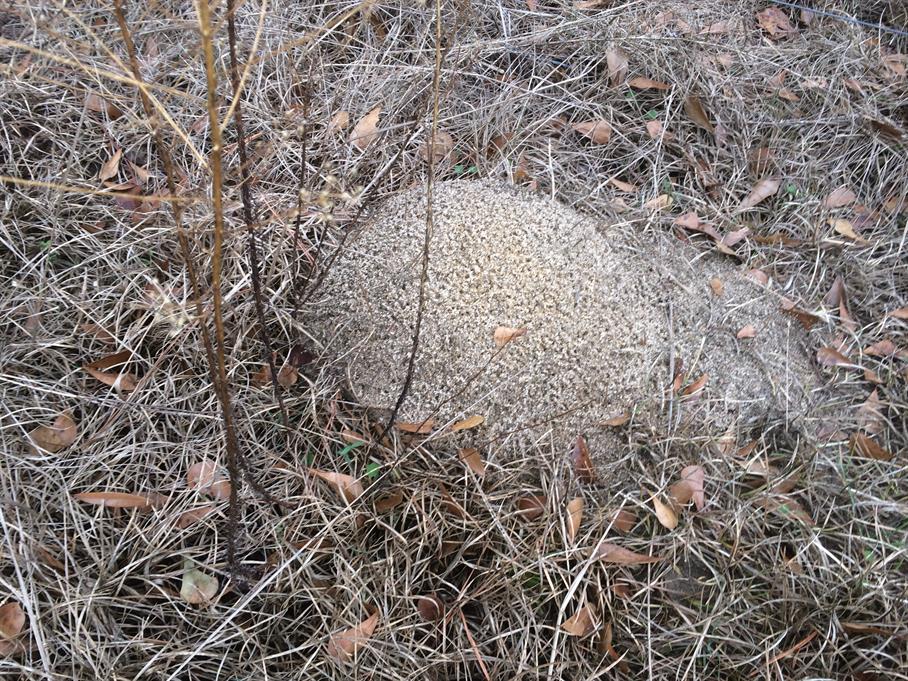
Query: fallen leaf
(444, 145)
(617, 420)
(430, 608)
(366, 131)
(197, 587)
(581, 462)
(194, 515)
(616, 60)
(124, 381)
(141, 175)
(870, 414)
(900, 313)
(61, 434)
(641, 83)
(622, 186)
(761, 190)
(287, 376)
(343, 645)
(807, 320)
(654, 129)
(505, 334)
(660, 202)
(786, 507)
(895, 64)
(775, 22)
(12, 620)
(531, 506)
(466, 424)
(830, 357)
(846, 229)
(717, 286)
(111, 166)
(582, 622)
(599, 132)
(417, 427)
(574, 517)
(746, 332)
(839, 197)
(612, 553)
(98, 332)
(872, 377)
(887, 129)
(348, 487)
(690, 487)
(665, 513)
(735, 236)
(866, 446)
(98, 104)
(338, 122)
(205, 476)
(624, 520)
(758, 276)
(697, 385)
(836, 293)
(388, 502)
(695, 111)
(883, 348)
(116, 499)
(471, 457)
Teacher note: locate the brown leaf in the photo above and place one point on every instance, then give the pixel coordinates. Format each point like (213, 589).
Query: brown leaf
(430, 608)
(287, 376)
(617, 420)
(194, 515)
(883, 348)
(717, 286)
(98, 332)
(444, 145)
(775, 22)
(98, 104)
(505, 334)
(116, 499)
(471, 457)
(388, 502)
(574, 517)
(839, 197)
(624, 520)
(761, 190)
(693, 107)
(582, 622)
(617, 64)
(717, 28)
(581, 462)
(348, 487)
(786, 507)
(468, 423)
(417, 427)
(622, 186)
(599, 132)
(836, 293)
(660, 202)
(900, 313)
(12, 620)
(736, 236)
(654, 129)
(865, 446)
(846, 229)
(690, 487)
(612, 553)
(338, 122)
(830, 357)
(758, 276)
(872, 377)
(366, 131)
(111, 166)
(343, 645)
(807, 320)
(205, 477)
(124, 381)
(697, 385)
(747, 331)
(870, 414)
(641, 83)
(531, 506)
(62, 433)
(665, 513)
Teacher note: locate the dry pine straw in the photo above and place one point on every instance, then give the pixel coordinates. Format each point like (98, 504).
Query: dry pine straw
(745, 587)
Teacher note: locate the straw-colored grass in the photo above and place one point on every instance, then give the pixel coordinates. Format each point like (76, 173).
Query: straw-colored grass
(799, 573)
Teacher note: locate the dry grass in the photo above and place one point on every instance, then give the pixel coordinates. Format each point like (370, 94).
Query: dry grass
(747, 588)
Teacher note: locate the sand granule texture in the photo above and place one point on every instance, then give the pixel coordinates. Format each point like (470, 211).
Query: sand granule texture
(608, 313)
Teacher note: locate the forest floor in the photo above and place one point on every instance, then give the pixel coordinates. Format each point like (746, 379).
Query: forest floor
(768, 553)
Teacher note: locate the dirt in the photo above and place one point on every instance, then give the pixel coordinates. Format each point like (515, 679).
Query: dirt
(613, 318)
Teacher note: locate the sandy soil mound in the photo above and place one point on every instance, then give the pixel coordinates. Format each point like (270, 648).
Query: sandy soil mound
(612, 321)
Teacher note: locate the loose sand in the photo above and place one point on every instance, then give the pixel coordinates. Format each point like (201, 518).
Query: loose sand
(607, 313)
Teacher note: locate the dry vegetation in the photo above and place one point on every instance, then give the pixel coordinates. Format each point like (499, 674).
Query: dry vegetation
(789, 562)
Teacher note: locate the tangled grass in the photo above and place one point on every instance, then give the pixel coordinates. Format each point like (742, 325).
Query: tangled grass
(797, 571)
